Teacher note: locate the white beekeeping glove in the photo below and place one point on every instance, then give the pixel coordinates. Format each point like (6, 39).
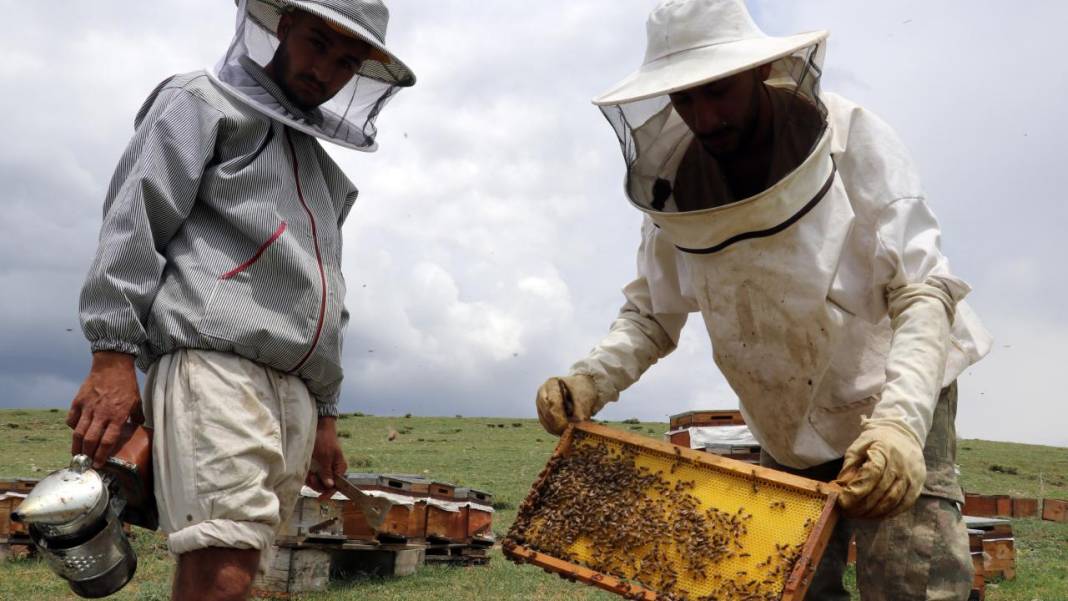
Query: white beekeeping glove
(884, 469)
(566, 399)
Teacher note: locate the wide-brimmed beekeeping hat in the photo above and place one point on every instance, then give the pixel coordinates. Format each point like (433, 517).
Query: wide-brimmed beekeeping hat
(692, 42)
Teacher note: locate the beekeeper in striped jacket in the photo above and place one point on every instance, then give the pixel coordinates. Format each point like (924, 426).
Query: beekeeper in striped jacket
(218, 271)
(795, 223)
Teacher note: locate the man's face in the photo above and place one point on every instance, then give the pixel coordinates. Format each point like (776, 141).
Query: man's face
(723, 114)
(314, 61)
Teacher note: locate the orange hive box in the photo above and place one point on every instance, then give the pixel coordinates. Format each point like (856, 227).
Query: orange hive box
(445, 522)
(406, 520)
(477, 510)
(1055, 510)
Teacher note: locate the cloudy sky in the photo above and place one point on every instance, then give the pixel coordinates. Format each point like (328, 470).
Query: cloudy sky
(492, 238)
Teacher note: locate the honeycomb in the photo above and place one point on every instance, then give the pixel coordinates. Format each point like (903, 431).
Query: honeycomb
(689, 531)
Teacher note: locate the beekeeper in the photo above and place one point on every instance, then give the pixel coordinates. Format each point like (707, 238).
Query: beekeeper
(218, 271)
(795, 222)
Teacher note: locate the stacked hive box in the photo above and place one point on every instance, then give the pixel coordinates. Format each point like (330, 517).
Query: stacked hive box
(722, 432)
(478, 516)
(1055, 510)
(14, 538)
(444, 520)
(406, 520)
(999, 553)
(331, 538)
(975, 547)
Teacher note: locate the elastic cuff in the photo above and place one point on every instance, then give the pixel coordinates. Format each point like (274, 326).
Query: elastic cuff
(118, 346)
(228, 534)
(327, 409)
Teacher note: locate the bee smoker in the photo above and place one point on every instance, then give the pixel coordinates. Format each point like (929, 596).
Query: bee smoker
(75, 515)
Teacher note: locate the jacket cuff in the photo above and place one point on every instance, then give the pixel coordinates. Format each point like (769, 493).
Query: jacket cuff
(326, 405)
(327, 410)
(117, 346)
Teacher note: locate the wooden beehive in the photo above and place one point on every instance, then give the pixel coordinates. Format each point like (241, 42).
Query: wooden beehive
(18, 485)
(788, 521)
(445, 522)
(1024, 507)
(405, 520)
(477, 515)
(975, 548)
(1055, 510)
(8, 527)
(690, 419)
(987, 505)
(315, 518)
(999, 552)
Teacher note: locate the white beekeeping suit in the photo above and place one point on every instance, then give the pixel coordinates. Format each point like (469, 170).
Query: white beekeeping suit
(347, 118)
(825, 296)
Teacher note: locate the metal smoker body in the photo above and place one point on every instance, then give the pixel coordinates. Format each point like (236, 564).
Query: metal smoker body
(75, 518)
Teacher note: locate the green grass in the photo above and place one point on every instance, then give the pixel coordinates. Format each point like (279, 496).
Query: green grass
(503, 456)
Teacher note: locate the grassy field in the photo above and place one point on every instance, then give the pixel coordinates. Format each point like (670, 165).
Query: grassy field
(503, 455)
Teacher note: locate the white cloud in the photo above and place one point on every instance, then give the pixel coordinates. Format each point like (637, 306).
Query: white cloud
(491, 238)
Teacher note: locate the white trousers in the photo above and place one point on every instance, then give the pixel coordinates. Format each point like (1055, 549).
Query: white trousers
(232, 441)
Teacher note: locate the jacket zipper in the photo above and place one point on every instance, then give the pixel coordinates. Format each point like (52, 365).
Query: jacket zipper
(318, 257)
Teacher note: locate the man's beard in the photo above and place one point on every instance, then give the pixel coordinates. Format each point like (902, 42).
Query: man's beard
(745, 136)
(286, 75)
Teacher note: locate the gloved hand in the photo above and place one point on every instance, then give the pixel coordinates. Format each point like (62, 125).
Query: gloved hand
(883, 472)
(564, 400)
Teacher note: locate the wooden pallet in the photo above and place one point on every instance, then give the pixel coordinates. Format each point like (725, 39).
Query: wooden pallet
(16, 546)
(742, 476)
(305, 564)
(457, 555)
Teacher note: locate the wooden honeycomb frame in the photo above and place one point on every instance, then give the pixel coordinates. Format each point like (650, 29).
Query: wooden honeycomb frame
(797, 581)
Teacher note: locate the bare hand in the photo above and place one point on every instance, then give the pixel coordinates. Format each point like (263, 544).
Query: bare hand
(107, 399)
(328, 462)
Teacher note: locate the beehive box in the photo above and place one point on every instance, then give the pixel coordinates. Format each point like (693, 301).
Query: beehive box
(406, 520)
(975, 548)
(313, 518)
(987, 505)
(9, 528)
(1023, 507)
(728, 417)
(477, 512)
(1055, 510)
(445, 521)
(999, 546)
(649, 520)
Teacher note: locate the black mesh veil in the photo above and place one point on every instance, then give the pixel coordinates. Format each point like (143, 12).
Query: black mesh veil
(659, 149)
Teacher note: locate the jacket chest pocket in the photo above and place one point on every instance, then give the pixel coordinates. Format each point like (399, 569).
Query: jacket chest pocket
(266, 305)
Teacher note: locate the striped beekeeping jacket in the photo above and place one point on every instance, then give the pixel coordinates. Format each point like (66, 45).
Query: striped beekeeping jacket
(221, 231)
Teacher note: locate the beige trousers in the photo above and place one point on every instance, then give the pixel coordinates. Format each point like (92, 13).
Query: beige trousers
(232, 441)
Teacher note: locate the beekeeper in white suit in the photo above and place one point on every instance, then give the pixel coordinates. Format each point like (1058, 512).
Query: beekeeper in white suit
(795, 222)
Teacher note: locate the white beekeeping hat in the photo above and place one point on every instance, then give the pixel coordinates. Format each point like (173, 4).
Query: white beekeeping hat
(691, 42)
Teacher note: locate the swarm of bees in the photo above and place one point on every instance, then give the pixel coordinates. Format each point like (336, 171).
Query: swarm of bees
(642, 528)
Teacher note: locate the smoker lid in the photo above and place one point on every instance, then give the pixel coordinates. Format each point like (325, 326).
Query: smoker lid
(65, 495)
